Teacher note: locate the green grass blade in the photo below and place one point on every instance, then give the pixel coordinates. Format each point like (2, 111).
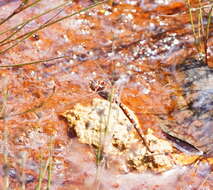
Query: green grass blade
(42, 173)
(29, 110)
(100, 151)
(5, 135)
(50, 167)
(35, 17)
(27, 35)
(209, 22)
(21, 7)
(18, 27)
(23, 164)
(191, 19)
(34, 62)
(11, 35)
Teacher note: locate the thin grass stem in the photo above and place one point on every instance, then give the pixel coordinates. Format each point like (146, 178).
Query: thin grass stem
(18, 27)
(5, 136)
(103, 142)
(27, 35)
(50, 166)
(11, 35)
(191, 18)
(34, 62)
(99, 153)
(21, 7)
(29, 110)
(35, 17)
(200, 32)
(42, 173)
(23, 163)
(208, 22)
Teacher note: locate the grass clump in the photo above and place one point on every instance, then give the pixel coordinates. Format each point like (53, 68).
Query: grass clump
(201, 18)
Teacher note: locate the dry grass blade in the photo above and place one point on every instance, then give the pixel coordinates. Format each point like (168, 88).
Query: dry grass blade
(50, 166)
(21, 7)
(99, 151)
(19, 27)
(29, 110)
(23, 164)
(43, 170)
(103, 140)
(191, 19)
(35, 17)
(200, 32)
(207, 32)
(46, 168)
(34, 62)
(209, 21)
(5, 135)
(29, 34)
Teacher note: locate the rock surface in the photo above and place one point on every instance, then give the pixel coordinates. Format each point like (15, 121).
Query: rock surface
(191, 120)
(104, 125)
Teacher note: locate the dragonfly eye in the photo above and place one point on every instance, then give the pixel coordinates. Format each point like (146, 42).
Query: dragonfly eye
(97, 85)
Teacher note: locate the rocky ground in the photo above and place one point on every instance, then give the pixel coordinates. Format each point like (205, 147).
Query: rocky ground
(135, 47)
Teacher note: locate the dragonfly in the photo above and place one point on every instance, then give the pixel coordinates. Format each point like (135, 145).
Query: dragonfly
(99, 87)
(173, 129)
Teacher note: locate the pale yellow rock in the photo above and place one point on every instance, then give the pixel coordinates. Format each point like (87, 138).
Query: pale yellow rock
(105, 125)
(158, 161)
(96, 125)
